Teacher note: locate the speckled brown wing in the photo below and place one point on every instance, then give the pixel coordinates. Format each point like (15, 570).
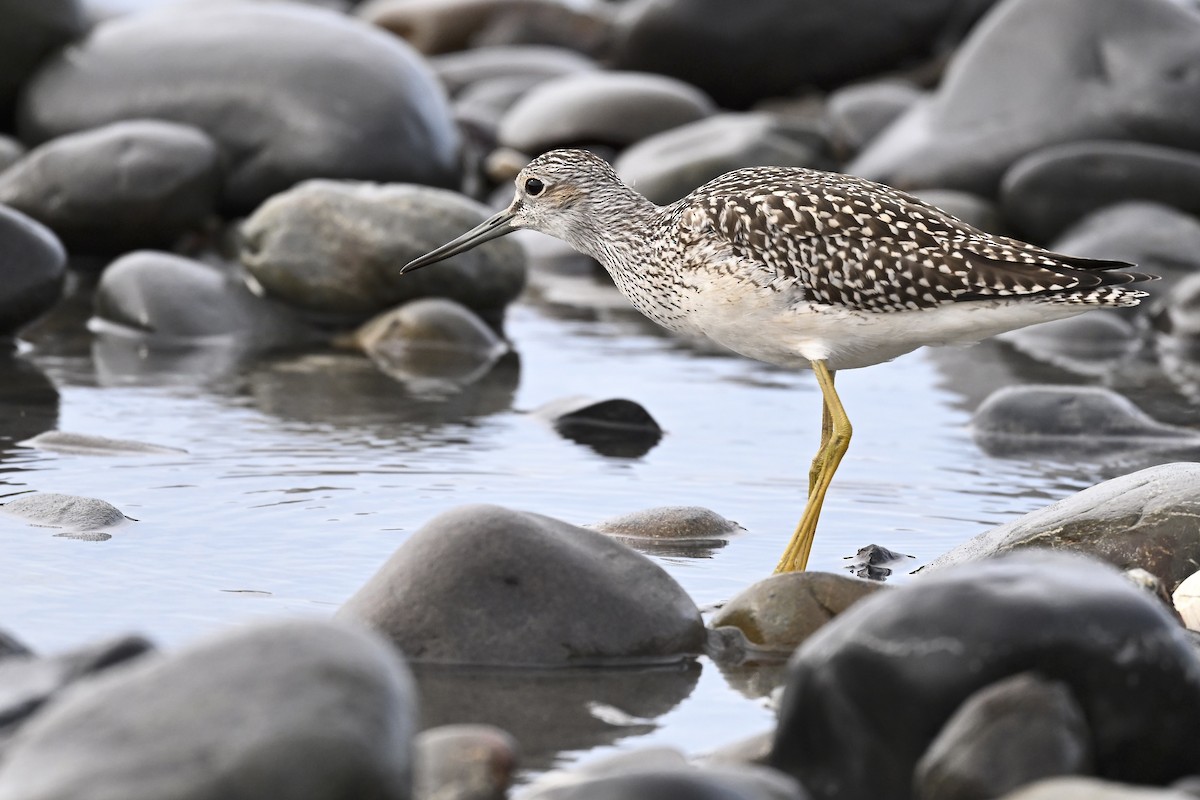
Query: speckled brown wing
(845, 241)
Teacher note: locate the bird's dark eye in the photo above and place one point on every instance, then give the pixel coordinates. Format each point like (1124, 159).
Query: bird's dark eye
(533, 187)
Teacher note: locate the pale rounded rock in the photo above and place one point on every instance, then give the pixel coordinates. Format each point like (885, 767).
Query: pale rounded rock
(55, 510)
(1187, 601)
(534, 63)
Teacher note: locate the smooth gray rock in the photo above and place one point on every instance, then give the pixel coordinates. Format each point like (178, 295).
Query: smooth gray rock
(1034, 74)
(744, 52)
(600, 107)
(1092, 344)
(132, 184)
(275, 84)
(11, 646)
(679, 783)
(676, 523)
(545, 592)
(1014, 732)
(1050, 189)
(615, 427)
(859, 112)
(54, 510)
(31, 31)
(288, 710)
(1080, 788)
(301, 249)
(535, 63)
(176, 300)
(778, 613)
(464, 762)
(1147, 519)
(668, 165)
(32, 266)
(868, 693)
(10, 152)
(1054, 413)
(87, 444)
(27, 682)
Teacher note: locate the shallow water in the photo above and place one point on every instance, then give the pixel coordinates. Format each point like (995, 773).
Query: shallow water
(304, 471)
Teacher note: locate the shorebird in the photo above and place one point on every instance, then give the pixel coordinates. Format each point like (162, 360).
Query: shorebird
(802, 269)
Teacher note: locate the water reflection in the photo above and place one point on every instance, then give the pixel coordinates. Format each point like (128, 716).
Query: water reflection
(555, 711)
(29, 401)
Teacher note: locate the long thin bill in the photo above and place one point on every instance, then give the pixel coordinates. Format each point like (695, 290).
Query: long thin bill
(492, 228)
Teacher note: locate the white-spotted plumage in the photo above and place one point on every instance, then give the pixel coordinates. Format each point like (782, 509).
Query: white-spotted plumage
(787, 265)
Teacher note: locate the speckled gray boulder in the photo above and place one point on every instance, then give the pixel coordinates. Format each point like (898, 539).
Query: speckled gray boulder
(336, 248)
(1034, 74)
(293, 710)
(486, 585)
(611, 108)
(32, 265)
(1147, 519)
(289, 92)
(130, 184)
(666, 166)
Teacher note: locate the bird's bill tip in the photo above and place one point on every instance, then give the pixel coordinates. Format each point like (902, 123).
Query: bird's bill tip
(492, 228)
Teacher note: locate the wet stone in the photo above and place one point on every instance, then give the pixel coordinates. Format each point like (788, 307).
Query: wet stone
(556, 595)
(86, 444)
(11, 646)
(780, 612)
(876, 563)
(28, 682)
(308, 65)
(1049, 190)
(616, 427)
(600, 107)
(291, 710)
(1028, 77)
(300, 249)
(1067, 412)
(669, 522)
(868, 693)
(53, 510)
(32, 265)
(132, 184)
(464, 762)
(1091, 344)
(1145, 519)
(859, 112)
(668, 165)
(1014, 732)
(685, 783)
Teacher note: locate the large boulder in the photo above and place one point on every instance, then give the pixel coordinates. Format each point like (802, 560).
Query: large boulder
(486, 585)
(293, 711)
(1034, 74)
(130, 184)
(288, 92)
(1146, 519)
(868, 693)
(32, 266)
(336, 248)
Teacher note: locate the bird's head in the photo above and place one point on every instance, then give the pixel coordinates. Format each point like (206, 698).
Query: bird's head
(555, 194)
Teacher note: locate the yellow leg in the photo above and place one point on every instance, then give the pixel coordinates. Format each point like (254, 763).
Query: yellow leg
(826, 431)
(825, 464)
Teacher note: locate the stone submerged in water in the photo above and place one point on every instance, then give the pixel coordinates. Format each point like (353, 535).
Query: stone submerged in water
(248, 75)
(301, 247)
(293, 711)
(55, 510)
(1145, 519)
(86, 444)
(556, 595)
(140, 183)
(614, 427)
(32, 266)
(867, 694)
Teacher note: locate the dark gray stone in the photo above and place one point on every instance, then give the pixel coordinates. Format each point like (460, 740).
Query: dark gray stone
(1050, 189)
(608, 108)
(744, 52)
(30, 32)
(668, 165)
(679, 783)
(172, 299)
(1016, 731)
(54, 510)
(289, 710)
(10, 152)
(11, 646)
(299, 247)
(859, 112)
(535, 63)
(1035, 74)
(27, 683)
(431, 345)
(273, 83)
(778, 613)
(869, 692)
(132, 184)
(547, 593)
(464, 762)
(615, 427)
(32, 265)
(1054, 413)
(86, 444)
(1147, 519)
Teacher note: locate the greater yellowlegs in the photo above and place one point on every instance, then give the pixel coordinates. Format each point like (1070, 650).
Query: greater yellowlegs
(802, 269)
